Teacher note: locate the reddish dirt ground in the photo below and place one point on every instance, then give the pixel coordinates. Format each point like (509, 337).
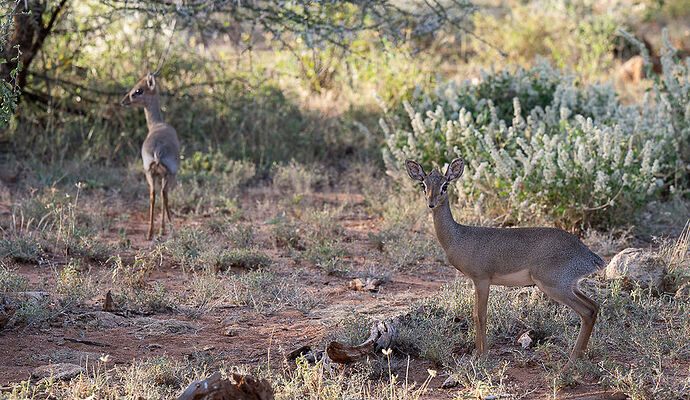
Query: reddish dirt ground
(239, 335)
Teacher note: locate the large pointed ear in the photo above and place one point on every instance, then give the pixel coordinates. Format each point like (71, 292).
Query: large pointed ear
(151, 81)
(414, 170)
(455, 169)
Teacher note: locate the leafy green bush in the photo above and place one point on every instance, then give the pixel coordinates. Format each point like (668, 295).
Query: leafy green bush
(572, 154)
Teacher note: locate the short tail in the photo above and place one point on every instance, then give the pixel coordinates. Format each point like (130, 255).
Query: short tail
(157, 166)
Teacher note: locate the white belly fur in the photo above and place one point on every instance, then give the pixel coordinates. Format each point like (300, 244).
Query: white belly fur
(519, 278)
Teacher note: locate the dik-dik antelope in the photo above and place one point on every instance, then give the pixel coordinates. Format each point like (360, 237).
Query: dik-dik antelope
(161, 149)
(550, 258)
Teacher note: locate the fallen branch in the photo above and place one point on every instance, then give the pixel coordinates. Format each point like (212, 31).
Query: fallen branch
(382, 336)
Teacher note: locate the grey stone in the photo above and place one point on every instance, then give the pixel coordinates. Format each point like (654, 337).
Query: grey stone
(638, 266)
(60, 371)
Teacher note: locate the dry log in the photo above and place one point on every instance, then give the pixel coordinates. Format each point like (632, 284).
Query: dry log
(216, 387)
(298, 352)
(382, 336)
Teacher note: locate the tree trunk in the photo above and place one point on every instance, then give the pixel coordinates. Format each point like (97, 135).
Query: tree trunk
(29, 34)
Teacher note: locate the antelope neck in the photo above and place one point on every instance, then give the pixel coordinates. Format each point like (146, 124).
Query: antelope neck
(152, 109)
(444, 224)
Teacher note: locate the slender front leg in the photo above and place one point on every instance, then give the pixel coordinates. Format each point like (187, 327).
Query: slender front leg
(481, 300)
(152, 202)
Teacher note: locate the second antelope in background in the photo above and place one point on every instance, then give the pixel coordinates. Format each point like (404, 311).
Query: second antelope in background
(161, 149)
(550, 258)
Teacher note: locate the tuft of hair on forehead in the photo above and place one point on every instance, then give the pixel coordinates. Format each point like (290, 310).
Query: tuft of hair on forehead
(436, 170)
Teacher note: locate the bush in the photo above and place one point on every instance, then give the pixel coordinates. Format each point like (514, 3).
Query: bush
(211, 181)
(242, 258)
(266, 292)
(132, 289)
(73, 285)
(578, 35)
(570, 153)
(673, 94)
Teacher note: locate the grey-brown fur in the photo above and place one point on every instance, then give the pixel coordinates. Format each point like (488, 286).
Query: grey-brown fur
(553, 259)
(160, 151)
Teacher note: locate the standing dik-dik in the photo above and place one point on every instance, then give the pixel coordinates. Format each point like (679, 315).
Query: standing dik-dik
(550, 258)
(161, 149)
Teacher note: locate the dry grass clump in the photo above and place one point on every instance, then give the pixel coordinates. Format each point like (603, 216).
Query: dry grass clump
(244, 258)
(131, 287)
(54, 223)
(297, 178)
(675, 255)
(267, 292)
(74, 284)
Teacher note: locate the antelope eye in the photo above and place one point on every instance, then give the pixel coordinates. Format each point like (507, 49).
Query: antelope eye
(444, 187)
(139, 91)
(423, 186)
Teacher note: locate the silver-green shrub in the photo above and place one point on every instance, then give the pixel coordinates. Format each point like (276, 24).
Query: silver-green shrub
(673, 93)
(539, 144)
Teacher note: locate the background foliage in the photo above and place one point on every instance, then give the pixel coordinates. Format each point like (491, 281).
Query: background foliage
(267, 82)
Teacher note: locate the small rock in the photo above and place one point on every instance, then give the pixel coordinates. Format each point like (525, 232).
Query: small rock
(450, 382)
(98, 320)
(148, 326)
(60, 371)
(524, 340)
(68, 356)
(153, 346)
(638, 266)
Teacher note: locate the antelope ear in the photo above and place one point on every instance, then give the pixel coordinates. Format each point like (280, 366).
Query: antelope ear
(151, 81)
(455, 169)
(414, 170)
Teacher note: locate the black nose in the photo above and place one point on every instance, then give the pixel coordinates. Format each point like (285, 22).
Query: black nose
(430, 206)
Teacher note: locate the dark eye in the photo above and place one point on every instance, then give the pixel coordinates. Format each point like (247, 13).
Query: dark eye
(139, 91)
(444, 187)
(423, 186)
